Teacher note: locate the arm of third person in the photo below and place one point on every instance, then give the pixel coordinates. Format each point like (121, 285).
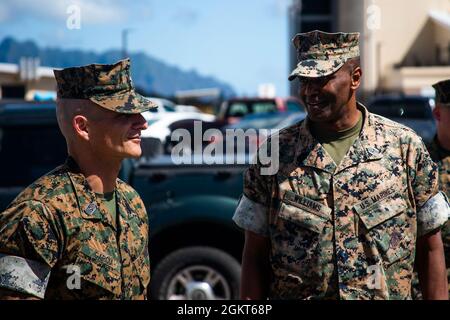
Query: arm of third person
(255, 267)
(431, 266)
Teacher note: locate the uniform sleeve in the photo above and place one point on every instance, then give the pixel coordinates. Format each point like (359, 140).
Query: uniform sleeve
(434, 214)
(252, 212)
(431, 205)
(29, 247)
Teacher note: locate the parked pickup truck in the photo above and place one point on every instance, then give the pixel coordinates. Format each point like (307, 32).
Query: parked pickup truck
(195, 248)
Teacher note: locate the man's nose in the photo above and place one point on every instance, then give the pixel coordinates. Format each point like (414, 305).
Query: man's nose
(310, 88)
(139, 122)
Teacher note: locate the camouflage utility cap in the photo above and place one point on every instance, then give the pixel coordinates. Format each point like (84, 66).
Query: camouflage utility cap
(321, 53)
(108, 85)
(442, 89)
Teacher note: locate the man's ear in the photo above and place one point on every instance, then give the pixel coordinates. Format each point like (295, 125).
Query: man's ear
(356, 78)
(80, 125)
(437, 113)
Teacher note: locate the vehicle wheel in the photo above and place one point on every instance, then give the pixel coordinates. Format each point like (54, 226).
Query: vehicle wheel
(196, 273)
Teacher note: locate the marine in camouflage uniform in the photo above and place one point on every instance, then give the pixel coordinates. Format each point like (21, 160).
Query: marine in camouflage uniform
(347, 230)
(58, 229)
(442, 158)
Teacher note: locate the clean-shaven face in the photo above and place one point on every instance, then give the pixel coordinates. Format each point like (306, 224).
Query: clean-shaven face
(115, 134)
(325, 98)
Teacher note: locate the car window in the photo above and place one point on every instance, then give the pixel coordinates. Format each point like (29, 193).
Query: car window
(238, 109)
(293, 106)
(263, 107)
(408, 108)
(152, 121)
(266, 122)
(169, 108)
(291, 120)
(26, 153)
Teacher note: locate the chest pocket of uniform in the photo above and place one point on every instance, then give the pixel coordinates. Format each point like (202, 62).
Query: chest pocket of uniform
(304, 212)
(387, 226)
(99, 270)
(298, 235)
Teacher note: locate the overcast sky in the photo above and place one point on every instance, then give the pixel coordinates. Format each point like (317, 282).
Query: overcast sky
(242, 42)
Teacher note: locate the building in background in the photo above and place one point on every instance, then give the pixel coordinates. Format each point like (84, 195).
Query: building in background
(405, 44)
(28, 81)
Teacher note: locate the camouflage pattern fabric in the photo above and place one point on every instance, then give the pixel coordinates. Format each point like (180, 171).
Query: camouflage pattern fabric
(442, 89)
(443, 162)
(321, 53)
(108, 85)
(59, 224)
(345, 231)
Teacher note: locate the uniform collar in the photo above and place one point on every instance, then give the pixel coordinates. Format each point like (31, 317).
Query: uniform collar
(91, 207)
(368, 146)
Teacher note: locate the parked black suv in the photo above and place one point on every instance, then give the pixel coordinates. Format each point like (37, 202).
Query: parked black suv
(412, 111)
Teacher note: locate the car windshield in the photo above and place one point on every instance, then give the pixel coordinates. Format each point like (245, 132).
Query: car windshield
(405, 108)
(167, 105)
(169, 108)
(242, 108)
(259, 121)
(152, 121)
(292, 119)
(293, 106)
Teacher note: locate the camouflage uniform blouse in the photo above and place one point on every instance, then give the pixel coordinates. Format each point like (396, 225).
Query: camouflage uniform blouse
(443, 163)
(344, 231)
(56, 229)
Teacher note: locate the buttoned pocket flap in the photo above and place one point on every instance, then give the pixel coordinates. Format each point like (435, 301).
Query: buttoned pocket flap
(373, 213)
(309, 219)
(100, 269)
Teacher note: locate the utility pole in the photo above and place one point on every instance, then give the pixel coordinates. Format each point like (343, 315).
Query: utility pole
(125, 42)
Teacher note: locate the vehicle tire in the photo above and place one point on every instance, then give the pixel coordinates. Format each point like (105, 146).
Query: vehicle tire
(196, 273)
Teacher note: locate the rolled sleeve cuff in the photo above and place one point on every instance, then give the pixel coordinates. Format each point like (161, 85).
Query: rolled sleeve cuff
(252, 216)
(23, 275)
(434, 214)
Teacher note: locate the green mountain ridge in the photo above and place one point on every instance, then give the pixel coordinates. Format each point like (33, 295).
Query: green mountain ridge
(150, 75)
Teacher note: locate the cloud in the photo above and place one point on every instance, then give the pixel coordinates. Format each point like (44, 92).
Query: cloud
(100, 11)
(278, 8)
(186, 16)
(5, 13)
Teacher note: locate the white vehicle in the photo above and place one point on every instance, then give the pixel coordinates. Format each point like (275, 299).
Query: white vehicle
(186, 108)
(164, 107)
(160, 127)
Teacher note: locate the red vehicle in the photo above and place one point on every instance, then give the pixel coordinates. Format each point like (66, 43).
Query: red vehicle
(233, 109)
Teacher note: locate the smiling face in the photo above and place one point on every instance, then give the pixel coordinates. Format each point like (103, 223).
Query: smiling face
(327, 98)
(115, 135)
